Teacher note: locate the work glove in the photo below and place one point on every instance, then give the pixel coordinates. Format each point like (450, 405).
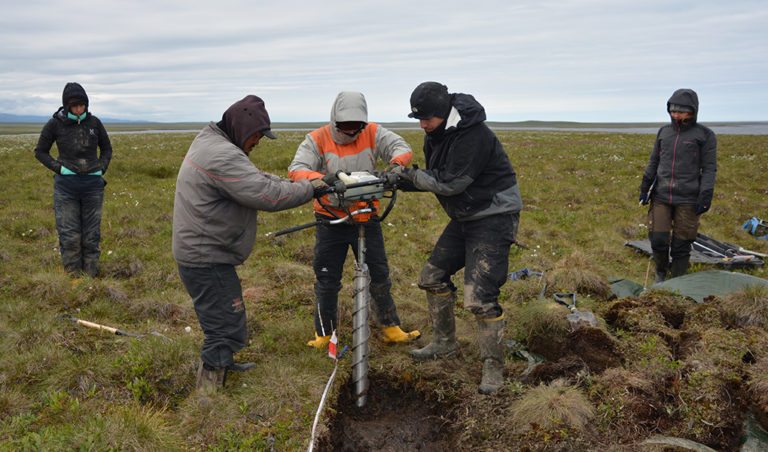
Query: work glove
(405, 173)
(339, 186)
(324, 189)
(388, 177)
(393, 167)
(330, 178)
(318, 183)
(643, 198)
(700, 209)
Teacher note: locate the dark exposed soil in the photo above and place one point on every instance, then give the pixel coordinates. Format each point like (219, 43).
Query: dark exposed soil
(393, 419)
(585, 348)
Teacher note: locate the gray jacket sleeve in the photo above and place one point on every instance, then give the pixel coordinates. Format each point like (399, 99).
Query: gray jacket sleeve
(391, 146)
(250, 187)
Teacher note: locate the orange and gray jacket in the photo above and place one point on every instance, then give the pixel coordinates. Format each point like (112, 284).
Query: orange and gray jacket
(218, 195)
(684, 159)
(327, 150)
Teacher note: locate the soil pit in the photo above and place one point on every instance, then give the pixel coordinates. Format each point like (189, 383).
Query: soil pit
(393, 419)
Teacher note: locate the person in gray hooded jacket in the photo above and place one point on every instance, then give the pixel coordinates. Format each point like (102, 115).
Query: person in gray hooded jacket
(679, 182)
(218, 195)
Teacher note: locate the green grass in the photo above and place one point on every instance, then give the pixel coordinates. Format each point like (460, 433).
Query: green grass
(66, 387)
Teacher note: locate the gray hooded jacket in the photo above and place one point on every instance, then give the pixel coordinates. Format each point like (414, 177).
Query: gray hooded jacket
(218, 195)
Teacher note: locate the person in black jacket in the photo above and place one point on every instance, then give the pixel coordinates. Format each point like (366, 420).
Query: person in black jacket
(679, 182)
(470, 174)
(78, 182)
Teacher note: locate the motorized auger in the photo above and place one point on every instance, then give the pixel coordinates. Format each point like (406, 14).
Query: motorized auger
(360, 187)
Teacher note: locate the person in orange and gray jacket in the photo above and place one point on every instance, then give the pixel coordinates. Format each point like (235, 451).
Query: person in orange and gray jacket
(679, 182)
(219, 193)
(349, 143)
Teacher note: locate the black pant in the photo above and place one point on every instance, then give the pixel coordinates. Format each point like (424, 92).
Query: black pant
(218, 300)
(482, 246)
(332, 242)
(77, 206)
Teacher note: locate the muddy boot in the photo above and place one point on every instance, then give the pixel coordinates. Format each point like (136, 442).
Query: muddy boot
(210, 378)
(91, 268)
(237, 367)
(662, 264)
(491, 341)
(444, 343)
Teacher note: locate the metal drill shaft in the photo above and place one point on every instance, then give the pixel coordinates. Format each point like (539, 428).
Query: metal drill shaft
(360, 330)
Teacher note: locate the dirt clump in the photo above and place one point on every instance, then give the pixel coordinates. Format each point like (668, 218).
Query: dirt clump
(393, 419)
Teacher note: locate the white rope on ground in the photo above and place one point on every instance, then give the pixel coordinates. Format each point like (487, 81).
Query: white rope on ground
(320, 408)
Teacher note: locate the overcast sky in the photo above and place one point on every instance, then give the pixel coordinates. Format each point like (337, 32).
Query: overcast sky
(578, 60)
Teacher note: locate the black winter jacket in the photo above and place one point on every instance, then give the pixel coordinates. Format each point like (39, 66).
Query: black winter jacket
(467, 167)
(684, 159)
(77, 142)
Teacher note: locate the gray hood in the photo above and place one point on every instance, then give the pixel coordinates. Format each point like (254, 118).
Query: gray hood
(348, 106)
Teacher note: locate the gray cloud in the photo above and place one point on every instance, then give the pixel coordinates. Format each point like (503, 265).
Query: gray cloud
(586, 60)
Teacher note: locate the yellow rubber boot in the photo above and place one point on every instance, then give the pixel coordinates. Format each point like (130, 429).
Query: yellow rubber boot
(396, 334)
(320, 341)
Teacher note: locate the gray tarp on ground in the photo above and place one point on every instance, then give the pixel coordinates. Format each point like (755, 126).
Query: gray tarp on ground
(700, 255)
(697, 285)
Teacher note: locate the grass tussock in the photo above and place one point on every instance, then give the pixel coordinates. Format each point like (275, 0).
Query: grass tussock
(552, 407)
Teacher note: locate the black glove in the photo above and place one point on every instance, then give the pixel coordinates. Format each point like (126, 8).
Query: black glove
(321, 191)
(406, 173)
(643, 198)
(388, 177)
(339, 186)
(700, 209)
(330, 178)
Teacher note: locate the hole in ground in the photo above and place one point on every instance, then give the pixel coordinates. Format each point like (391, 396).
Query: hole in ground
(393, 419)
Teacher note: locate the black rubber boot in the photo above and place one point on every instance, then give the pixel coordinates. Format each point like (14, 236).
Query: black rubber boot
(660, 246)
(681, 254)
(679, 267)
(240, 367)
(443, 344)
(491, 341)
(662, 264)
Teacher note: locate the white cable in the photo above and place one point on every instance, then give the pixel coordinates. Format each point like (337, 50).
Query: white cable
(322, 402)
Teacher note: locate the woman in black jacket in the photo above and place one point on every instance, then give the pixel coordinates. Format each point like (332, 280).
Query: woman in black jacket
(679, 182)
(78, 183)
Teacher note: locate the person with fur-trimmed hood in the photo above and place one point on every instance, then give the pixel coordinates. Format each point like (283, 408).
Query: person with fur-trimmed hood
(679, 183)
(349, 143)
(219, 194)
(470, 174)
(84, 153)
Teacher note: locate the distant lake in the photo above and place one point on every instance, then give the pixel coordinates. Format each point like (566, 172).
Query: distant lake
(724, 129)
(746, 129)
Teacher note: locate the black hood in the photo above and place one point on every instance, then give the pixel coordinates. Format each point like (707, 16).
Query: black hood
(244, 118)
(687, 97)
(73, 90)
(469, 109)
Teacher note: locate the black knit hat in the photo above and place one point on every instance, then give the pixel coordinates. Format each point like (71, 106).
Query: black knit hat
(430, 99)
